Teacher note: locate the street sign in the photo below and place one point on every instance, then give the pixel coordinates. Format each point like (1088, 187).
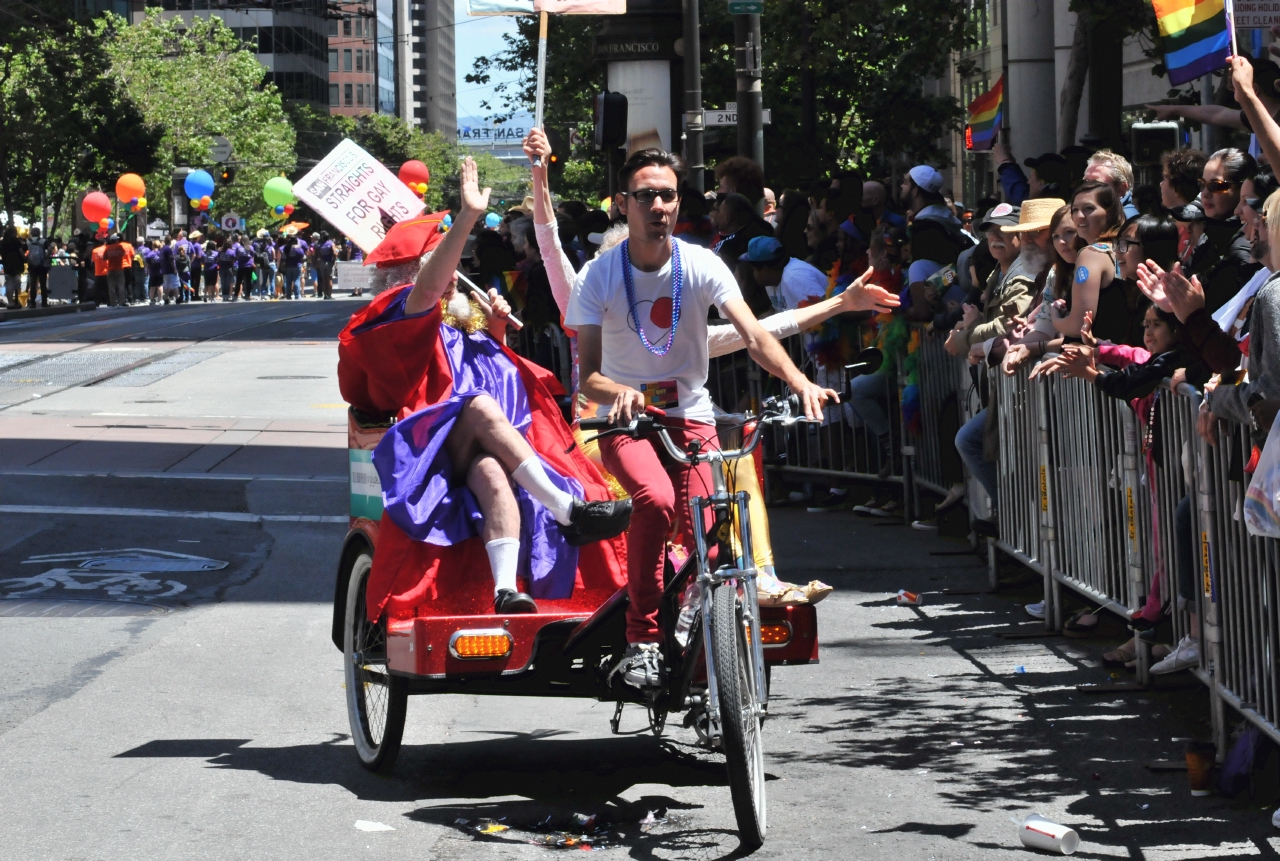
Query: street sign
(221, 150)
(746, 7)
(230, 221)
(730, 117)
(1255, 16)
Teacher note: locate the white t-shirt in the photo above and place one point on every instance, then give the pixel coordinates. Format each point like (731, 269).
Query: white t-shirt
(675, 382)
(800, 283)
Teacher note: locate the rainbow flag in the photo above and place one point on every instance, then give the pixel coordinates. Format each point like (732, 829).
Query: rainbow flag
(985, 114)
(1194, 36)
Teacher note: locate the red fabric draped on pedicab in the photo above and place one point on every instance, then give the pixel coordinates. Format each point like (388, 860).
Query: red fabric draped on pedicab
(397, 367)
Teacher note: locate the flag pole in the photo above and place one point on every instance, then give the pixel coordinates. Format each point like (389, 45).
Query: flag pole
(1231, 25)
(542, 74)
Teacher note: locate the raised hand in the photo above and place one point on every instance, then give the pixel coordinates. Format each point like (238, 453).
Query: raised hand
(1086, 331)
(536, 146)
(970, 316)
(1185, 296)
(1151, 285)
(1241, 75)
(474, 199)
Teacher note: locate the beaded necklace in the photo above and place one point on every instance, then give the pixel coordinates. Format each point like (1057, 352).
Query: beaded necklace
(677, 284)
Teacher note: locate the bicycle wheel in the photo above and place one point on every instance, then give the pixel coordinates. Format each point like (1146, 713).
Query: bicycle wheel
(376, 700)
(739, 719)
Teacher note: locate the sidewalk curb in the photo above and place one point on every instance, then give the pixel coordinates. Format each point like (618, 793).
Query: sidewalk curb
(52, 311)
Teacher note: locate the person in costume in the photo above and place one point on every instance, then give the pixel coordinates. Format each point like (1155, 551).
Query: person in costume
(474, 419)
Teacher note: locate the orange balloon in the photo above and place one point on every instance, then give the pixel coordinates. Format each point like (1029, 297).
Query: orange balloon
(129, 186)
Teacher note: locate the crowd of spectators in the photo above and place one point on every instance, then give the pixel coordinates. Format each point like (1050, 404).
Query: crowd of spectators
(1072, 269)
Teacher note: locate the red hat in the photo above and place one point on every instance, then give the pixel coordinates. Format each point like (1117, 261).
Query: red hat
(408, 240)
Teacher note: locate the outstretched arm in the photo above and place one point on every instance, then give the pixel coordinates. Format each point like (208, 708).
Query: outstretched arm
(436, 274)
(768, 353)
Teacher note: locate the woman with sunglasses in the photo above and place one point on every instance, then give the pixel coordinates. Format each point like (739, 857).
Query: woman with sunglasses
(1222, 260)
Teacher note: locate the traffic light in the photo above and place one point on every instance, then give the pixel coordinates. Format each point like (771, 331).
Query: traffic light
(968, 137)
(559, 152)
(228, 174)
(611, 120)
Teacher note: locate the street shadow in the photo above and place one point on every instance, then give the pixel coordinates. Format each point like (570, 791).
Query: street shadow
(999, 741)
(551, 775)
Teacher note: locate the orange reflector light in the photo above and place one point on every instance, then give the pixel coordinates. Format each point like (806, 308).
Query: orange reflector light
(477, 645)
(775, 635)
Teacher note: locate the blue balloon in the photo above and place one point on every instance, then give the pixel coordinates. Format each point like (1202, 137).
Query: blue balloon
(492, 220)
(447, 221)
(198, 184)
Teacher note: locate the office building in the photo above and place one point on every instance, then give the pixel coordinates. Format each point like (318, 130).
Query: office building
(426, 76)
(289, 37)
(353, 55)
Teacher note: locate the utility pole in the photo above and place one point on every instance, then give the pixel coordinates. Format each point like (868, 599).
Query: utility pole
(746, 36)
(693, 96)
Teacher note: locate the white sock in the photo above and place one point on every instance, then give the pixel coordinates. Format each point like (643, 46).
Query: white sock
(504, 557)
(532, 477)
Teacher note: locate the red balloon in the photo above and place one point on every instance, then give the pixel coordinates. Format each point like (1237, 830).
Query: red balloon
(96, 206)
(288, 209)
(414, 171)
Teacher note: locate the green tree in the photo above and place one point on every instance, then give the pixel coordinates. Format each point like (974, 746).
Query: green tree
(195, 79)
(843, 78)
(57, 136)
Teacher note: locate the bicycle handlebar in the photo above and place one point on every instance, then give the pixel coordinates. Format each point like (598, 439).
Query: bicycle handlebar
(777, 410)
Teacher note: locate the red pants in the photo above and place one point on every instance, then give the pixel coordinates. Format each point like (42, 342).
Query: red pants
(660, 490)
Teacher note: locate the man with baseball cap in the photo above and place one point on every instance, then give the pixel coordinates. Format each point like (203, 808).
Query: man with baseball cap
(1049, 176)
(789, 281)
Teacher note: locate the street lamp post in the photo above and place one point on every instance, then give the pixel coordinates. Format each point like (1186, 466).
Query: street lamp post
(746, 36)
(693, 95)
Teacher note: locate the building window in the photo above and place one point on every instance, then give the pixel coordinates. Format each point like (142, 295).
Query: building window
(359, 61)
(333, 59)
(360, 95)
(333, 95)
(333, 26)
(346, 95)
(346, 26)
(346, 59)
(360, 27)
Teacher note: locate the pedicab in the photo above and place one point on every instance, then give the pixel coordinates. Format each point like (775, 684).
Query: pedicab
(719, 644)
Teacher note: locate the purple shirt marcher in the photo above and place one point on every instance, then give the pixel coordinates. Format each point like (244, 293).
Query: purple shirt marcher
(152, 258)
(167, 264)
(244, 257)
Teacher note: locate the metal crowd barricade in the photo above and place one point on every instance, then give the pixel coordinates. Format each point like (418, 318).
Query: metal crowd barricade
(940, 375)
(548, 347)
(1239, 600)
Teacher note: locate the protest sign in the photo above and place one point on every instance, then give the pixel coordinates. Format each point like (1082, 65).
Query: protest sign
(353, 191)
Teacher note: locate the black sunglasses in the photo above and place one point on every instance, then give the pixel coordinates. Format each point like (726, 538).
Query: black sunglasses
(645, 196)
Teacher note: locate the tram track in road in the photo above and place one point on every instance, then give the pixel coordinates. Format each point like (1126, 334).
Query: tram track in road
(146, 360)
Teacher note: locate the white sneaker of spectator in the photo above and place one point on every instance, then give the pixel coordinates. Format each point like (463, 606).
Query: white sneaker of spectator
(1035, 611)
(1184, 656)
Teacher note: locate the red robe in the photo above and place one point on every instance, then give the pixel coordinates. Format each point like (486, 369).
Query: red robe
(399, 367)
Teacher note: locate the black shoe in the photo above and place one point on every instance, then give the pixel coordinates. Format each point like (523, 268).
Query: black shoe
(596, 521)
(510, 601)
(832, 502)
(986, 528)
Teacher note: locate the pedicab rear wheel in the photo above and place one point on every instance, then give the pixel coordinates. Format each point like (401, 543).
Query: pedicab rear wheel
(376, 700)
(739, 716)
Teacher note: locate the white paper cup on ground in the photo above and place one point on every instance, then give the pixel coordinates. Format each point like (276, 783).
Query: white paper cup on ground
(1036, 832)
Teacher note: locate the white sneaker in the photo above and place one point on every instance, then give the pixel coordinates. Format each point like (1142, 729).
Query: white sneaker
(1035, 611)
(1185, 656)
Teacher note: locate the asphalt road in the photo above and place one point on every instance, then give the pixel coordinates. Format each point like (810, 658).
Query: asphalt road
(170, 690)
